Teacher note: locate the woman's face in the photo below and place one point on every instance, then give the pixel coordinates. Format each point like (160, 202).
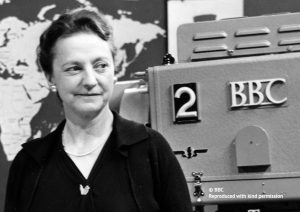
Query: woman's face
(83, 72)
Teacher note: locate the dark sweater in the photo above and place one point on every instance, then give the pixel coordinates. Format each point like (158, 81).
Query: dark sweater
(140, 165)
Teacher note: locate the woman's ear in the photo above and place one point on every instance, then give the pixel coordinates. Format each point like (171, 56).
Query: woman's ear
(48, 77)
(53, 87)
(115, 79)
(51, 84)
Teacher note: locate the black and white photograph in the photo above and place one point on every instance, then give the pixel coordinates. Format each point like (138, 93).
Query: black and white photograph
(149, 106)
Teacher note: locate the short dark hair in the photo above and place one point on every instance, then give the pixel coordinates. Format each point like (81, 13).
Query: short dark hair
(71, 22)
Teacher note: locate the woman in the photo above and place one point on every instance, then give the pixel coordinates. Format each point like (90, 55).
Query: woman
(95, 160)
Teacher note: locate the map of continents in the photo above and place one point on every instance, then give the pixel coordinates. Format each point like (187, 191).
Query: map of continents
(28, 109)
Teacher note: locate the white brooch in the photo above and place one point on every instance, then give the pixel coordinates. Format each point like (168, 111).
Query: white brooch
(84, 190)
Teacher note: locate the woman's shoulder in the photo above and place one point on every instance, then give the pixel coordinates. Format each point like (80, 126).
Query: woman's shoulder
(145, 138)
(134, 131)
(40, 148)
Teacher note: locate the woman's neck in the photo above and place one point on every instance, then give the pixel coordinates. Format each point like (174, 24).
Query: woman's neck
(80, 131)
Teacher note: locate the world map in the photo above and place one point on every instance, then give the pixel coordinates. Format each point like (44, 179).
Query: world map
(28, 109)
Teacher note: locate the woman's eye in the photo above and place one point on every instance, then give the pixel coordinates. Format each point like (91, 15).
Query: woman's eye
(100, 66)
(73, 69)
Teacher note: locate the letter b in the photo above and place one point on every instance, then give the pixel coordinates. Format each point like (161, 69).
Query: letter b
(237, 89)
(254, 90)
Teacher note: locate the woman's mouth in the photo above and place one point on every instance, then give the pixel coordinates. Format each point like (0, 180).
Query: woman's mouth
(88, 94)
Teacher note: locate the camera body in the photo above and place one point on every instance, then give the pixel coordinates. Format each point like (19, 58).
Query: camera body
(230, 108)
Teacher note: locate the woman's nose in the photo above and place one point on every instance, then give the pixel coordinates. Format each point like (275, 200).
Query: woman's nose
(89, 79)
